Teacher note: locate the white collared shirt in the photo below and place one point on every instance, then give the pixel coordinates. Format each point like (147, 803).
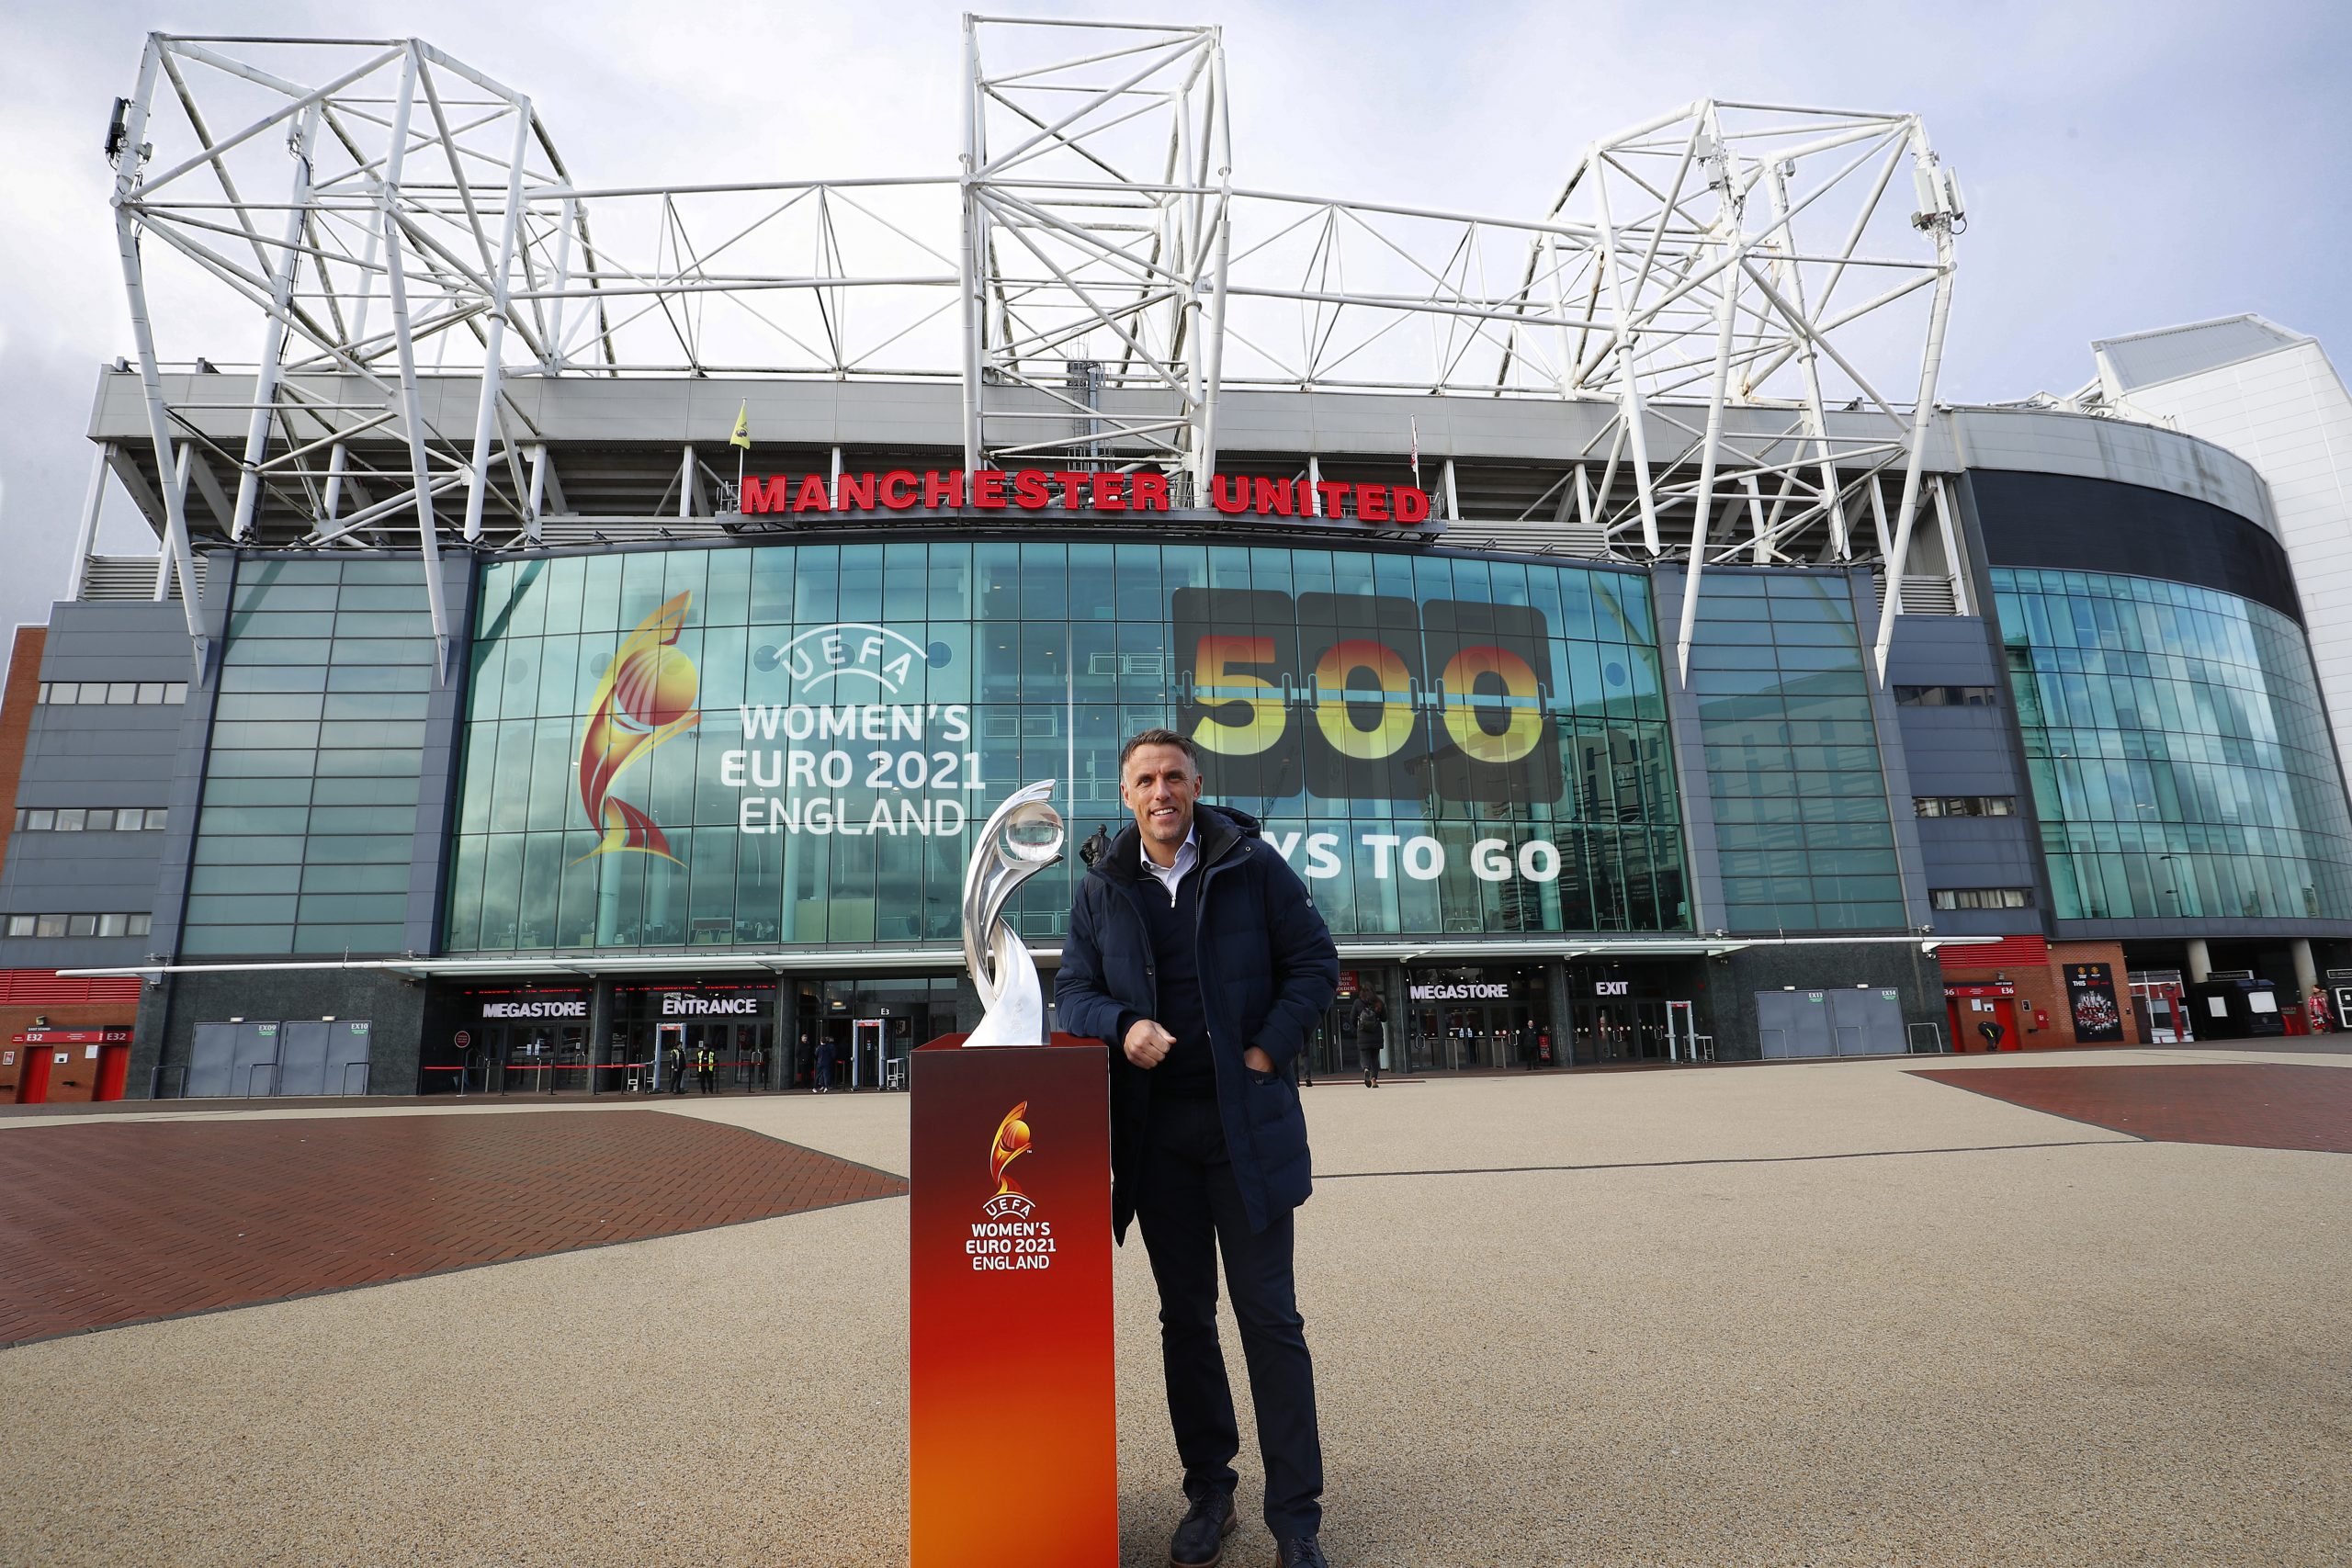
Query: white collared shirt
(1188, 855)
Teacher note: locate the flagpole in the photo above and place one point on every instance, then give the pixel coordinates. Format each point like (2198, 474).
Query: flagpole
(741, 442)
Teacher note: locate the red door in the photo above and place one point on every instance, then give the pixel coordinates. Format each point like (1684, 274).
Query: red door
(1977, 1027)
(113, 1070)
(33, 1087)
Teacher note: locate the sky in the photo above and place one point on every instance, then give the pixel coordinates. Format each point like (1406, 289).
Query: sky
(2127, 165)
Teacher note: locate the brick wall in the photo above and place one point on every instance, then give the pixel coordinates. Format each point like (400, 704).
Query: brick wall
(2042, 992)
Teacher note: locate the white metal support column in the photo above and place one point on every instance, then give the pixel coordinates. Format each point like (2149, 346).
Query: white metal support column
(1816, 417)
(86, 538)
(1727, 217)
(143, 332)
(968, 261)
(494, 335)
(1629, 391)
(1936, 217)
(167, 559)
(1962, 599)
(272, 348)
(538, 492)
(339, 458)
(1209, 350)
(552, 359)
(412, 405)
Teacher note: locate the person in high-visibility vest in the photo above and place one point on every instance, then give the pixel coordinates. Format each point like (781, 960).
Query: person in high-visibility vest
(674, 1061)
(706, 1069)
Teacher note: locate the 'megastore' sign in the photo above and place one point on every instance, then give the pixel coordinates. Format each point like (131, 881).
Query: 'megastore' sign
(1043, 490)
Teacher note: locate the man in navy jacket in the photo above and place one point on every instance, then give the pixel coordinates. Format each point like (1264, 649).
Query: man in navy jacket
(1196, 955)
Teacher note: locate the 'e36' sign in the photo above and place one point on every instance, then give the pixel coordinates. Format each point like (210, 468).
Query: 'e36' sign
(1356, 697)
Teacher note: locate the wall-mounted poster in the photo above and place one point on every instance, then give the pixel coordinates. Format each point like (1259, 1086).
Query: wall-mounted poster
(2090, 990)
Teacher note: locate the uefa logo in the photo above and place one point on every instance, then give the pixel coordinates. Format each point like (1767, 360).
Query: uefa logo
(826, 654)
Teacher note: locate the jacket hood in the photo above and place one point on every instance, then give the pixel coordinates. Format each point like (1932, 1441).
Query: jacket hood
(1218, 826)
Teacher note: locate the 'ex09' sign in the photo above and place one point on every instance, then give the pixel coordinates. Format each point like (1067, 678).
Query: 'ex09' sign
(1367, 697)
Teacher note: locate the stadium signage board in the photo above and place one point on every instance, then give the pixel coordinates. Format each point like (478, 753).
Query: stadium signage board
(1094, 493)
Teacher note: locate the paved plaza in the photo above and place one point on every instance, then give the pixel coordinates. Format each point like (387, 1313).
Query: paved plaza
(2068, 1309)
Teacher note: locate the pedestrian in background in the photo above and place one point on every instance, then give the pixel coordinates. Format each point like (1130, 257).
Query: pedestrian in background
(825, 1065)
(1368, 1027)
(674, 1061)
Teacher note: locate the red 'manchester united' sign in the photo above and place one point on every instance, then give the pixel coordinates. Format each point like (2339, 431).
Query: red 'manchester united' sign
(1043, 489)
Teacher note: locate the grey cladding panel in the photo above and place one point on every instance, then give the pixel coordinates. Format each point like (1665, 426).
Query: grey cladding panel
(209, 1063)
(2041, 441)
(1866, 1021)
(1934, 651)
(1794, 1023)
(323, 1056)
(302, 1058)
(232, 1060)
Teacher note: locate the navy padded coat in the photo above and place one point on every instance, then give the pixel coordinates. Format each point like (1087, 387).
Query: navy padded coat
(1268, 971)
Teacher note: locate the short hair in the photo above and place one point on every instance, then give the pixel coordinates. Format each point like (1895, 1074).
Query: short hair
(1160, 737)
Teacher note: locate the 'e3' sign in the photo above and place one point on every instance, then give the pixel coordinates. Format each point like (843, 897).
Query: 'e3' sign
(1368, 697)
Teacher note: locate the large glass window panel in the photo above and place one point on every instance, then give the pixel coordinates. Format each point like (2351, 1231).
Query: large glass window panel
(1153, 574)
(600, 594)
(642, 589)
(1044, 582)
(712, 913)
(2157, 721)
(861, 583)
(988, 685)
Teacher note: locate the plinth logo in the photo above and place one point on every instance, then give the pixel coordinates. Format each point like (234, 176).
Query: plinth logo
(1010, 1236)
(646, 697)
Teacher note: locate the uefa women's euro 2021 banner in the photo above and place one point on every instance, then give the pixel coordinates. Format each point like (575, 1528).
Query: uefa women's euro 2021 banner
(1343, 697)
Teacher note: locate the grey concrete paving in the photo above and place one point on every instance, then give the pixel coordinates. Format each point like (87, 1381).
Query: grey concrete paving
(2038, 1343)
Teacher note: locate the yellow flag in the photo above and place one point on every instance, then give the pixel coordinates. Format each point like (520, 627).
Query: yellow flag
(743, 437)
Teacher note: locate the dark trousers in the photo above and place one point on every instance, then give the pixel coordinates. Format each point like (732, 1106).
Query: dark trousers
(1370, 1056)
(1190, 1210)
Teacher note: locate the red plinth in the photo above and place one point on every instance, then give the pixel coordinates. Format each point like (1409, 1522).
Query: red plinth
(1014, 1438)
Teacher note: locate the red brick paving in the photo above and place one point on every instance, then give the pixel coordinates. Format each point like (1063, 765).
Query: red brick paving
(119, 1223)
(2255, 1105)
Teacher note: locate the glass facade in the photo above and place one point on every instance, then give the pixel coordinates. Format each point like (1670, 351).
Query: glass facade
(794, 743)
(309, 794)
(2180, 753)
(1793, 762)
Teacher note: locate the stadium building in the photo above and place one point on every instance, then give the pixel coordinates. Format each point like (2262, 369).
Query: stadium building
(592, 620)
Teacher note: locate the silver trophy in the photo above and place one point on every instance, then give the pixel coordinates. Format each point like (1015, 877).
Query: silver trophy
(1022, 837)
